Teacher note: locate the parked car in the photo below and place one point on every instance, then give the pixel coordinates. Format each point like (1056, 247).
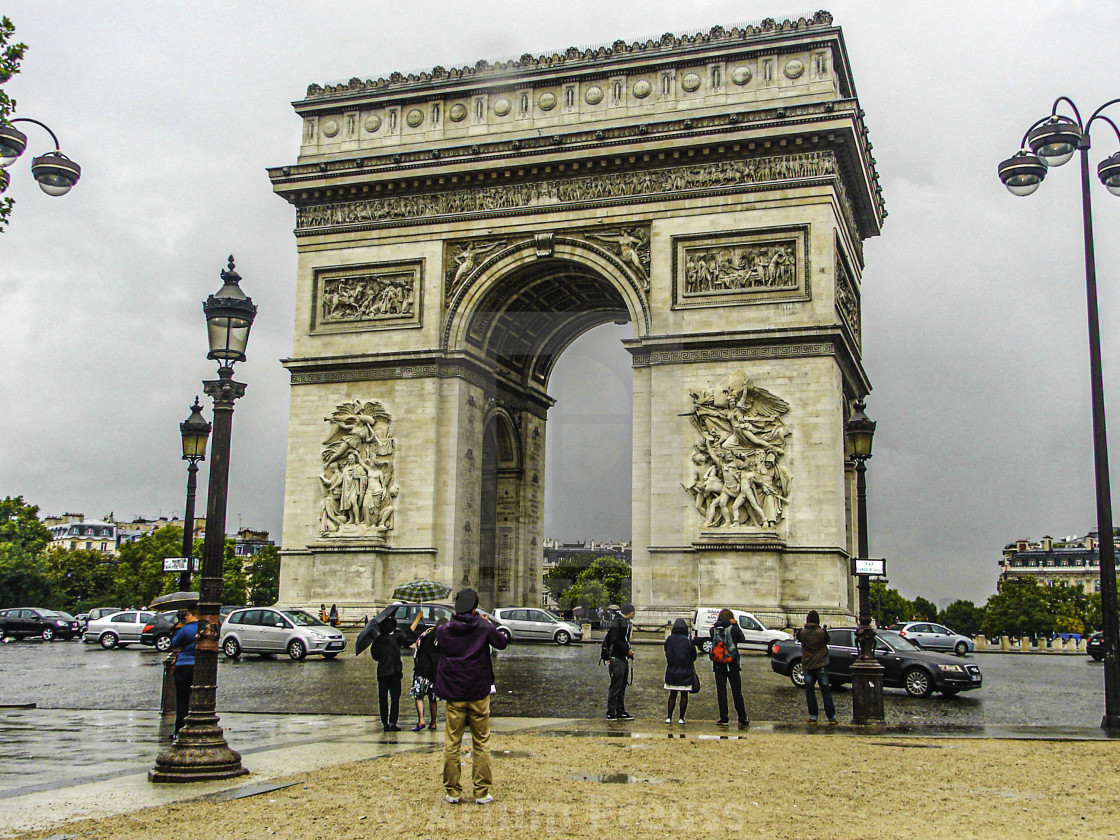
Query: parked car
(157, 633)
(757, 635)
(266, 630)
(1095, 646)
(430, 613)
(119, 629)
(905, 665)
(930, 636)
(534, 624)
(98, 612)
(21, 622)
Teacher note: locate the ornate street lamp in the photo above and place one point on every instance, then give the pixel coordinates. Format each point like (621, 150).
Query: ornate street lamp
(1052, 141)
(195, 431)
(867, 673)
(55, 172)
(200, 752)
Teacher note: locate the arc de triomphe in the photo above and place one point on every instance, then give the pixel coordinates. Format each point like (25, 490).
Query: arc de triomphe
(457, 229)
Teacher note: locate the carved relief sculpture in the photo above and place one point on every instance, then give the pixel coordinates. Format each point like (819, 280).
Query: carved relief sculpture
(632, 244)
(738, 479)
(357, 484)
(366, 297)
(739, 268)
(847, 301)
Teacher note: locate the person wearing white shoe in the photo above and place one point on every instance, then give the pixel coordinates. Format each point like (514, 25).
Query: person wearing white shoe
(680, 667)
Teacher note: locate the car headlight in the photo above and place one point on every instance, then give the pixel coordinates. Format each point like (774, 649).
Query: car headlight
(61, 623)
(954, 668)
(315, 634)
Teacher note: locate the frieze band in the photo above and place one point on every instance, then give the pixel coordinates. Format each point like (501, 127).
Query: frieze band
(726, 354)
(675, 180)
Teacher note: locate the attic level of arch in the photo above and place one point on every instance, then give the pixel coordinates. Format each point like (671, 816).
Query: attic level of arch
(678, 142)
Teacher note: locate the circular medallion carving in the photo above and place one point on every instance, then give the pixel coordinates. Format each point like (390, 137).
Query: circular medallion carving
(741, 75)
(594, 95)
(642, 88)
(372, 124)
(330, 128)
(414, 117)
(502, 107)
(547, 101)
(691, 82)
(794, 69)
(458, 112)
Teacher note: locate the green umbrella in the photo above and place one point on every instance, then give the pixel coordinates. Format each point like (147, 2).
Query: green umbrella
(421, 590)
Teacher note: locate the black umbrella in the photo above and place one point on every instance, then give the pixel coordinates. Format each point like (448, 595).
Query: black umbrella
(175, 601)
(372, 630)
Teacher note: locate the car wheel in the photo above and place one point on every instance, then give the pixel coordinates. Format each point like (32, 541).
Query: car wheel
(706, 646)
(163, 643)
(231, 648)
(960, 649)
(563, 637)
(296, 649)
(108, 640)
(48, 634)
(330, 655)
(797, 674)
(917, 682)
(505, 632)
(1097, 657)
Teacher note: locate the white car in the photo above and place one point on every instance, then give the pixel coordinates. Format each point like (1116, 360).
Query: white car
(757, 635)
(267, 630)
(119, 629)
(534, 624)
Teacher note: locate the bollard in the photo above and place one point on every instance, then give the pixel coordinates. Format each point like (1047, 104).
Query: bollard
(586, 628)
(981, 642)
(1068, 646)
(1004, 643)
(167, 691)
(1024, 644)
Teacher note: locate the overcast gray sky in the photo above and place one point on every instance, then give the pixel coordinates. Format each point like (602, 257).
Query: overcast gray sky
(974, 313)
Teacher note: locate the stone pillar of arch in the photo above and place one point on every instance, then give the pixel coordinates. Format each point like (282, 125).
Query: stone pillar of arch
(458, 229)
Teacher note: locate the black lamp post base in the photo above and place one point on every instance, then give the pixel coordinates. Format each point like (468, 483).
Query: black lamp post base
(199, 754)
(867, 692)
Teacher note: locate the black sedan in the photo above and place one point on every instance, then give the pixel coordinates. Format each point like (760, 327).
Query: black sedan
(33, 621)
(158, 632)
(1095, 646)
(905, 665)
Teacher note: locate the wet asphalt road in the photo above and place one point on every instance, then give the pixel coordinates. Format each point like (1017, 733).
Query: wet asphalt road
(538, 680)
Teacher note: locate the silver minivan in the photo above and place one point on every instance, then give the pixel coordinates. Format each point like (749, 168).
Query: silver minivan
(533, 624)
(268, 630)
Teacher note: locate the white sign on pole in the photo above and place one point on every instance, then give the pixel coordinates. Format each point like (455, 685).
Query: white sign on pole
(864, 566)
(175, 564)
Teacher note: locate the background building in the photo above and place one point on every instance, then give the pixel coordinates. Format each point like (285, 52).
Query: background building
(1073, 560)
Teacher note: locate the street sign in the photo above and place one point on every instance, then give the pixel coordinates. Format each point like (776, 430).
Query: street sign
(865, 566)
(178, 564)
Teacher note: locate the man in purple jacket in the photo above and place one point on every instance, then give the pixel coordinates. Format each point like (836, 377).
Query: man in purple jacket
(463, 679)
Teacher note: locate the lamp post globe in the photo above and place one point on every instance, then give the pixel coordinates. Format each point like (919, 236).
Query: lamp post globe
(1022, 172)
(229, 317)
(12, 143)
(1055, 140)
(55, 173)
(1108, 170)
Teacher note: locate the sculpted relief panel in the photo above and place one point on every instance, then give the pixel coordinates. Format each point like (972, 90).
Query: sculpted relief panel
(739, 480)
(847, 301)
(357, 486)
(354, 298)
(756, 266)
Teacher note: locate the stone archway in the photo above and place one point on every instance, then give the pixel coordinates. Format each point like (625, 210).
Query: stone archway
(458, 229)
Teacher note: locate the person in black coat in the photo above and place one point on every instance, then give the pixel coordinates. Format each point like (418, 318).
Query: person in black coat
(727, 673)
(386, 649)
(680, 665)
(617, 646)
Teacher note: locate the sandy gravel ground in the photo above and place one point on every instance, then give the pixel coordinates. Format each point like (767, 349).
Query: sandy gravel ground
(830, 786)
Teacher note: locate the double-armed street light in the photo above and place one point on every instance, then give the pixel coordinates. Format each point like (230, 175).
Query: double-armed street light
(55, 172)
(195, 431)
(1052, 141)
(867, 673)
(200, 752)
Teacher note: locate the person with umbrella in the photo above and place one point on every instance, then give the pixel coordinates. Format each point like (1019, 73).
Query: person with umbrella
(386, 649)
(464, 678)
(182, 643)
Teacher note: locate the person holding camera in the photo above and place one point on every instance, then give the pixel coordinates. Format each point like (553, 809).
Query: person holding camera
(616, 646)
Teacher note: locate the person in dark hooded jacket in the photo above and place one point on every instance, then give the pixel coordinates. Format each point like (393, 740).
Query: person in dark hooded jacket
(814, 665)
(680, 668)
(728, 673)
(386, 649)
(464, 677)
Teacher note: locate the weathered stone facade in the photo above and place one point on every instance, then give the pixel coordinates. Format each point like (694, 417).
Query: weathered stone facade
(458, 229)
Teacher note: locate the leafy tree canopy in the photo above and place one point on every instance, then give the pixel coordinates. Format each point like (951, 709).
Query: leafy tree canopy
(924, 610)
(11, 54)
(963, 616)
(888, 605)
(264, 577)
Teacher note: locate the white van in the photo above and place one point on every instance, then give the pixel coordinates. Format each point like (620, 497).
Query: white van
(758, 636)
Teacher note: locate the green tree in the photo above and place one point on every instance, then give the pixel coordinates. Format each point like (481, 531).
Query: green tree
(80, 578)
(23, 574)
(888, 605)
(924, 610)
(963, 616)
(264, 577)
(613, 572)
(1020, 608)
(10, 57)
(235, 584)
(560, 578)
(140, 577)
(589, 593)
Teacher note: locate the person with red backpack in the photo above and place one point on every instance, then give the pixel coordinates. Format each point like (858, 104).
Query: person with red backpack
(727, 635)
